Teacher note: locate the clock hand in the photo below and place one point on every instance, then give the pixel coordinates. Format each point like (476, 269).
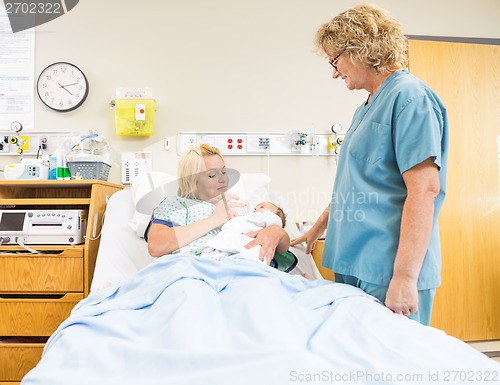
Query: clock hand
(64, 88)
(67, 85)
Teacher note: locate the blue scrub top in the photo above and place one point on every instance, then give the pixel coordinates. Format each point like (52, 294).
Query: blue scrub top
(404, 124)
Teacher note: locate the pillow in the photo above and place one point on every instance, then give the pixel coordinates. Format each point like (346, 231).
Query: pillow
(121, 254)
(151, 188)
(148, 190)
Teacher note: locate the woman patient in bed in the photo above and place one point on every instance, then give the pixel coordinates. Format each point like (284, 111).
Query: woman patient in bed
(185, 223)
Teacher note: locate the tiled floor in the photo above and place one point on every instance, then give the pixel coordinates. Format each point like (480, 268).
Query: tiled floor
(490, 348)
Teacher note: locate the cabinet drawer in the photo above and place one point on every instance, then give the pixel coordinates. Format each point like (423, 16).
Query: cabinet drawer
(35, 316)
(42, 272)
(18, 358)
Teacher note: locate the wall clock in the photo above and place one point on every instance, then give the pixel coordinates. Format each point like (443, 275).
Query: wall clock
(62, 86)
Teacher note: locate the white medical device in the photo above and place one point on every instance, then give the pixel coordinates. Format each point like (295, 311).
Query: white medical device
(43, 226)
(27, 169)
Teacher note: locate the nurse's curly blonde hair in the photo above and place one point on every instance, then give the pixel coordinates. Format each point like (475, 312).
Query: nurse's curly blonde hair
(369, 34)
(190, 166)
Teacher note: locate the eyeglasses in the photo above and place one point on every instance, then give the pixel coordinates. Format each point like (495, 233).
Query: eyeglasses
(333, 62)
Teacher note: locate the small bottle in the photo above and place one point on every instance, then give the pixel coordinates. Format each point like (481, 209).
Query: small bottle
(62, 171)
(53, 166)
(45, 167)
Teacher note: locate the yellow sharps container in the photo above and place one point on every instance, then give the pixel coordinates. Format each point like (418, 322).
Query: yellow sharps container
(135, 117)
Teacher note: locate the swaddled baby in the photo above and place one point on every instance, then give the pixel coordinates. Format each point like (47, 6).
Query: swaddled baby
(231, 239)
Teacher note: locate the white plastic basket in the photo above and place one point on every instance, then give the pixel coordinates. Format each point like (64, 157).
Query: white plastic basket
(89, 170)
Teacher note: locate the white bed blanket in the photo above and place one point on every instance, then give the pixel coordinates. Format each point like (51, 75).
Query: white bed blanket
(189, 320)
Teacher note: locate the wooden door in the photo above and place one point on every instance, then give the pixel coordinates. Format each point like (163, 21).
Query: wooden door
(467, 78)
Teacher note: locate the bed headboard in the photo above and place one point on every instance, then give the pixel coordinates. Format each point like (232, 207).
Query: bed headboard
(121, 252)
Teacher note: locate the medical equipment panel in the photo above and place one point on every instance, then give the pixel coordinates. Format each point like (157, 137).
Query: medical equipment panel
(27, 169)
(290, 143)
(52, 226)
(134, 164)
(30, 143)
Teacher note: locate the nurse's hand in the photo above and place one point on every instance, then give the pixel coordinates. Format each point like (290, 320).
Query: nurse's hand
(315, 232)
(309, 238)
(402, 296)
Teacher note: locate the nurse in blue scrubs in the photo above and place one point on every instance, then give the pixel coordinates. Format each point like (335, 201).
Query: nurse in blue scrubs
(382, 230)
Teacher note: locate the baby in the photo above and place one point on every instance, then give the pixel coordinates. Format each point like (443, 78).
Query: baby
(232, 239)
(265, 214)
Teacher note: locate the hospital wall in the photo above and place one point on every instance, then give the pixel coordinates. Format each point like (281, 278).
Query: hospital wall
(227, 65)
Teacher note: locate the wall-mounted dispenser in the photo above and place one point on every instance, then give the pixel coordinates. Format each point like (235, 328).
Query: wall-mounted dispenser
(134, 111)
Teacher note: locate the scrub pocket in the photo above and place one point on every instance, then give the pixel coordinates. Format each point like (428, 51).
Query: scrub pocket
(367, 143)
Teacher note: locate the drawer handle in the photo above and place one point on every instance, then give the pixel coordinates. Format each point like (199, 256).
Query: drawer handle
(23, 340)
(31, 296)
(26, 252)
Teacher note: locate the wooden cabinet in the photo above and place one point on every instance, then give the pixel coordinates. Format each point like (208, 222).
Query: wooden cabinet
(38, 291)
(317, 255)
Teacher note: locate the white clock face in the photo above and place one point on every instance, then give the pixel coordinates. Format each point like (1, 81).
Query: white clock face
(62, 86)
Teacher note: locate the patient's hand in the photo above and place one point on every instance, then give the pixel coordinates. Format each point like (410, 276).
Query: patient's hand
(225, 209)
(239, 206)
(272, 239)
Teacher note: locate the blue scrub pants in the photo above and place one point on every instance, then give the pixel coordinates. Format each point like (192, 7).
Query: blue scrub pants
(425, 297)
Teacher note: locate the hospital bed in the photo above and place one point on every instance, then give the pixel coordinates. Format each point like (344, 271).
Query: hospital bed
(182, 319)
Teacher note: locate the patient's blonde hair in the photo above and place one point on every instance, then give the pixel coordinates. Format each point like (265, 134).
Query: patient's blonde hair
(367, 33)
(190, 166)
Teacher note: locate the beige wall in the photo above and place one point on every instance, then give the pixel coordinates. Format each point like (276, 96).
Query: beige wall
(227, 65)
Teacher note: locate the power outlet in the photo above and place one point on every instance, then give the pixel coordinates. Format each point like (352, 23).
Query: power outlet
(234, 145)
(184, 141)
(135, 164)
